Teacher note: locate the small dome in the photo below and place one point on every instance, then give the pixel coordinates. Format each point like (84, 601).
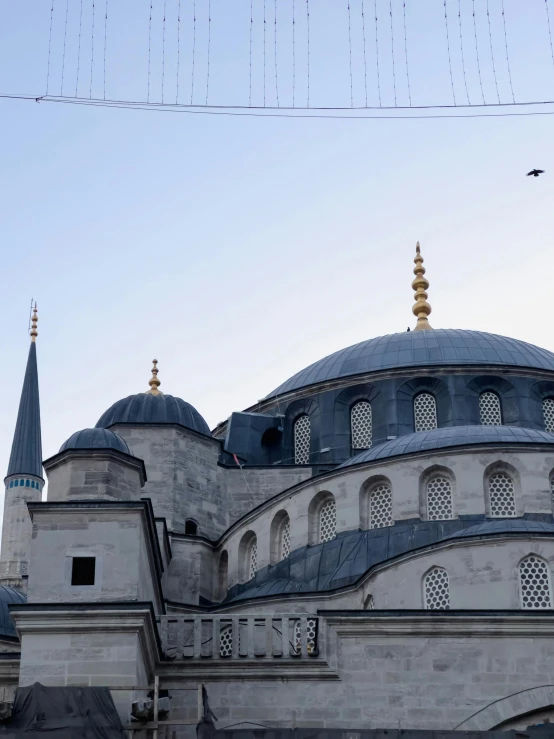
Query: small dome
(451, 436)
(9, 595)
(97, 438)
(147, 408)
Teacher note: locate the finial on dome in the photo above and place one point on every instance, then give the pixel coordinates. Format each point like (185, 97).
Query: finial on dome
(421, 308)
(33, 332)
(154, 382)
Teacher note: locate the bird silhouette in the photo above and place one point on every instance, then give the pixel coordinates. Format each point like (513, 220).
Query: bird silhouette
(535, 172)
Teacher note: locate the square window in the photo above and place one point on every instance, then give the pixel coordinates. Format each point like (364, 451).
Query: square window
(83, 570)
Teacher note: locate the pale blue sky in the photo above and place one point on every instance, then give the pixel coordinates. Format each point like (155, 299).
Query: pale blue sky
(238, 250)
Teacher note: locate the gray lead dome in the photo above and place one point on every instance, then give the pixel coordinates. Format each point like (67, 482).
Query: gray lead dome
(147, 408)
(96, 438)
(441, 347)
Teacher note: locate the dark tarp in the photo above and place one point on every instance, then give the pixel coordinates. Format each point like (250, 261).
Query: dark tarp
(543, 731)
(63, 713)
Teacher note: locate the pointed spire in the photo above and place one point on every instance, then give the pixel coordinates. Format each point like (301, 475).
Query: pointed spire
(154, 382)
(421, 308)
(26, 454)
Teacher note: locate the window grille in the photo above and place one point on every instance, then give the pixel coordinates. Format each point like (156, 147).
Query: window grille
(501, 495)
(226, 641)
(253, 568)
(439, 499)
(534, 579)
(548, 414)
(552, 488)
(328, 521)
(285, 539)
(380, 506)
(302, 440)
(425, 412)
(489, 409)
(361, 425)
(437, 589)
(311, 633)
(369, 603)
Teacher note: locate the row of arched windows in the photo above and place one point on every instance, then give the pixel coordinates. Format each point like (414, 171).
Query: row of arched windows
(535, 587)
(376, 511)
(425, 419)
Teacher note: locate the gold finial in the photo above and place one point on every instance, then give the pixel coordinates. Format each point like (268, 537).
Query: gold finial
(154, 382)
(33, 332)
(421, 308)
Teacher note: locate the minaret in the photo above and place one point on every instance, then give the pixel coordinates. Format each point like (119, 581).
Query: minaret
(421, 308)
(24, 480)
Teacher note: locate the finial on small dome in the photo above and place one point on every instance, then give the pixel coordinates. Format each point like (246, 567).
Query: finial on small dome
(421, 308)
(154, 382)
(34, 320)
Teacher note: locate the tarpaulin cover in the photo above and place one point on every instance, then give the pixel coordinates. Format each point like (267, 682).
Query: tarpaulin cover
(63, 713)
(544, 731)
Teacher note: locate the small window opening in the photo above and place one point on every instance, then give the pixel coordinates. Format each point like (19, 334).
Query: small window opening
(191, 527)
(272, 437)
(83, 570)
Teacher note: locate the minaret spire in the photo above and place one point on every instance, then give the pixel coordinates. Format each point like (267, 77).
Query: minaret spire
(421, 308)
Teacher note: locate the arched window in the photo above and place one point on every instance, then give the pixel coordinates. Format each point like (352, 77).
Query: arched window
(222, 575)
(248, 556)
(253, 559)
(501, 495)
(369, 603)
(436, 589)
(548, 414)
(361, 425)
(534, 583)
(489, 409)
(552, 487)
(425, 412)
(285, 539)
(279, 536)
(302, 440)
(191, 527)
(380, 506)
(328, 521)
(439, 499)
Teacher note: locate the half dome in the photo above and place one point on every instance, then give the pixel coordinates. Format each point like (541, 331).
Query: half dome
(152, 409)
(96, 438)
(441, 347)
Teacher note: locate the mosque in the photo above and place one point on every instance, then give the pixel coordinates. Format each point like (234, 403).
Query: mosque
(368, 547)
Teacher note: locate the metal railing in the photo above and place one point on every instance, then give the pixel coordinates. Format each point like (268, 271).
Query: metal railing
(236, 637)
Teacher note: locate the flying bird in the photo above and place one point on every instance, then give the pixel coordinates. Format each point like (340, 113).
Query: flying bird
(535, 172)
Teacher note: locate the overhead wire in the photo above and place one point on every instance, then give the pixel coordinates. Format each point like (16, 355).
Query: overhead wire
(462, 49)
(492, 52)
(350, 55)
(251, 31)
(149, 51)
(64, 44)
(448, 47)
(92, 50)
(264, 44)
(377, 52)
(549, 30)
(209, 50)
(79, 50)
(392, 52)
(49, 47)
(178, 49)
(293, 53)
(507, 55)
(406, 56)
(276, 68)
(365, 54)
(163, 48)
(193, 50)
(308, 48)
(477, 53)
(105, 45)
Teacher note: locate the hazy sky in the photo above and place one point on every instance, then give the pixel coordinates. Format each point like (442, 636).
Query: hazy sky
(238, 250)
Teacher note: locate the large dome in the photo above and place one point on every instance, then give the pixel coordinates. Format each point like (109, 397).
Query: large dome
(148, 408)
(440, 347)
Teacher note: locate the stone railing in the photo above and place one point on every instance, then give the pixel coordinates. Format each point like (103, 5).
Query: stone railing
(236, 637)
(13, 569)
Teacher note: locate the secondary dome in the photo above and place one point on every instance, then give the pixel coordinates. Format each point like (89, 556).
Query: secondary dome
(451, 436)
(96, 438)
(439, 347)
(154, 407)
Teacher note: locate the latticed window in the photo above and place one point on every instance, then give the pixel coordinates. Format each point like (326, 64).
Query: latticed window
(380, 506)
(489, 409)
(548, 414)
(226, 642)
(501, 495)
(552, 488)
(302, 440)
(534, 579)
(253, 559)
(328, 521)
(439, 499)
(437, 589)
(285, 539)
(360, 422)
(425, 412)
(311, 634)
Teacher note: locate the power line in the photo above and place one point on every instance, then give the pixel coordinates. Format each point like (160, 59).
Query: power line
(392, 52)
(251, 28)
(293, 53)
(549, 30)
(492, 52)
(49, 47)
(365, 55)
(406, 56)
(377, 51)
(64, 44)
(178, 48)
(264, 39)
(105, 45)
(448, 47)
(507, 55)
(92, 52)
(193, 50)
(308, 46)
(462, 49)
(350, 55)
(209, 49)
(276, 77)
(79, 50)
(163, 49)
(149, 50)
(477, 52)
